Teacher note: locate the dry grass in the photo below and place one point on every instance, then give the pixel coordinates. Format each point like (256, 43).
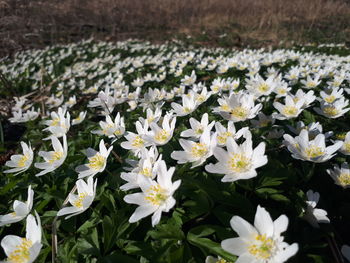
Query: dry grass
(27, 23)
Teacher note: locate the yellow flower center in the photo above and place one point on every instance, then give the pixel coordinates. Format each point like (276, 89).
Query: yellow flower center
(239, 113)
(22, 161)
(199, 150)
(21, 253)
(331, 110)
(344, 179)
(264, 88)
(330, 99)
(156, 195)
(222, 137)
(97, 162)
(118, 132)
(314, 151)
(138, 142)
(224, 107)
(281, 91)
(311, 84)
(290, 111)
(187, 109)
(79, 202)
(341, 136)
(55, 156)
(199, 131)
(222, 261)
(162, 136)
(346, 147)
(262, 248)
(239, 163)
(146, 172)
(55, 122)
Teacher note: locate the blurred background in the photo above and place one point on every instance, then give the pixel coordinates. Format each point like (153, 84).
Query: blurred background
(37, 23)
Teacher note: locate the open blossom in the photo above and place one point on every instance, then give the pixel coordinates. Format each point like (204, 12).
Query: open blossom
(156, 196)
(111, 129)
(81, 201)
(224, 133)
(345, 149)
(53, 159)
(19, 116)
(332, 96)
(59, 124)
(308, 97)
(27, 249)
(333, 110)
(189, 104)
(135, 141)
(97, 161)
(239, 161)
(80, 118)
(312, 214)
(289, 110)
(341, 175)
(310, 150)
(197, 127)
(241, 106)
(152, 116)
(261, 243)
(20, 162)
(196, 152)
(161, 135)
(189, 80)
(20, 209)
(313, 128)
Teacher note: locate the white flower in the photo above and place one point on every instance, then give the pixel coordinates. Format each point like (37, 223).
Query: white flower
(341, 175)
(21, 210)
(81, 201)
(80, 118)
(308, 97)
(345, 149)
(135, 141)
(189, 104)
(261, 243)
(53, 159)
(332, 96)
(152, 116)
(59, 124)
(24, 250)
(224, 133)
(20, 162)
(71, 101)
(239, 161)
(241, 107)
(313, 128)
(333, 110)
(311, 83)
(258, 86)
(97, 161)
(161, 135)
(197, 127)
(210, 259)
(314, 150)
(290, 110)
(314, 215)
(19, 116)
(111, 129)
(156, 196)
(189, 80)
(196, 152)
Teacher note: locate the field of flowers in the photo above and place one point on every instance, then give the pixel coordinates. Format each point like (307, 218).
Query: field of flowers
(137, 152)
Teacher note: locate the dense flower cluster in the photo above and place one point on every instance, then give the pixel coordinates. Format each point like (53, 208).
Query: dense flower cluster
(172, 123)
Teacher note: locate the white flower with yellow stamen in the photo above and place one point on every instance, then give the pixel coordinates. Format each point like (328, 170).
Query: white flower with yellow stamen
(310, 150)
(161, 135)
(97, 161)
(80, 118)
(290, 110)
(189, 80)
(59, 124)
(111, 129)
(197, 127)
(196, 152)
(224, 133)
(333, 110)
(241, 107)
(20, 210)
(332, 96)
(189, 104)
(27, 249)
(261, 243)
(345, 149)
(81, 201)
(239, 161)
(20, 162)
(135, 141)
(53, 159)
(341, 175)
(156, 196)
